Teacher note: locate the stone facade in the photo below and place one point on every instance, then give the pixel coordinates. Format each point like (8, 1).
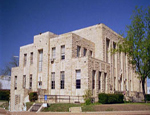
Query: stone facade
(84, 59)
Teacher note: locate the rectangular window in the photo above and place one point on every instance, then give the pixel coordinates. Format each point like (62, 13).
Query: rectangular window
(53, 80)
(84, 51)
(40, 84)
(114, 47)
(25, 59)
(24, 81)
(99, 80)
(62, 79)
(30, 83)
(78, 51)
(31, 58)
(91, 53)
(40, 60)
(105, 74)
(54, 53)
(63, 52)
(78, 79)
(107, 49)
(93, 79)
(15, 82)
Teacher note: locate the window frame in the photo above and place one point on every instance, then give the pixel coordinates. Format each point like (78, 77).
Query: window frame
(53, 80)
(30, 82)
(78, 80)
(25, 59)
(78, 51)
(63, 52)
(31, 58)
(40, 60)
(15, 83)
(84, 51)
(54, 53)
(62, 80)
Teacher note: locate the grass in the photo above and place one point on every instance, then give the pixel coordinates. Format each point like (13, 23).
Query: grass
(60, 107)
(5, 105)
(64, 107)
(3, 101)
(29, 104)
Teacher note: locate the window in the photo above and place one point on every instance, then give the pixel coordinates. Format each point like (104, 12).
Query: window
(15, 82)
(114, 47)
(30, 83)
(105, 74)
(24, 81)
(31, 58)
(78, 51)
(63, 52)
(62, 79)
(107, 49)
(25, 59)
(91, 53)
(53, 80)
(40, 84)
(54, 53)
(99, 80)
(78, 79)
(40, 60)
(93, 79)
(84, 52)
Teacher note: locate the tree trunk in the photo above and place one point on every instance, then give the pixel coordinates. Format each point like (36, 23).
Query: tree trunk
(143, 89)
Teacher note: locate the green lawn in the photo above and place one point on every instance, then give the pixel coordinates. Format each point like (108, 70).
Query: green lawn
(60, 107)
(64, 107)
(4, 104)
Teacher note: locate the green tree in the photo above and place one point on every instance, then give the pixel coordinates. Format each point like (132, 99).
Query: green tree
(136, 44)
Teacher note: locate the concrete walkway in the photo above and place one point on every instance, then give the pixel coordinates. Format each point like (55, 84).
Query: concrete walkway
(85, 113)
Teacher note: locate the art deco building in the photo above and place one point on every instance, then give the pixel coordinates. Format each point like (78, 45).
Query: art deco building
(70, 63)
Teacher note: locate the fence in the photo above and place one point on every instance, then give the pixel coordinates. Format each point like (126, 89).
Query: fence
(60, 99)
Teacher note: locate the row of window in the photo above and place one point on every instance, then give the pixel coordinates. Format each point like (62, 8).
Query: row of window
(25, 59)
(84, 52)
(62, 79)
(24, 82)
(99, 79)
(54, 55)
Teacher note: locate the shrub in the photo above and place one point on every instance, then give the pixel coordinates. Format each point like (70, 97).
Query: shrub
(87, 97)
(147, 97)
(88, 101)
(103, 98)
(4, 95)
(110, 98)
(33, 96)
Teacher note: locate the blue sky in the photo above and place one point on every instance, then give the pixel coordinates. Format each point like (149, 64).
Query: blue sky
(20, 20)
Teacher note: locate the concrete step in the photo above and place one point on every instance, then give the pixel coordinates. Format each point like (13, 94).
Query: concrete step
(36, 107)
(75, 109)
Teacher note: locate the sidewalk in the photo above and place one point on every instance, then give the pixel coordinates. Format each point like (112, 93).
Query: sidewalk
(85, 113)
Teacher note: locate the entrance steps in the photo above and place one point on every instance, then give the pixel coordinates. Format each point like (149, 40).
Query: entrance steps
(36, 107)
(75, 109)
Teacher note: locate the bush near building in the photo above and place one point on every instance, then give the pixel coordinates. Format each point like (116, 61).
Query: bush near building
(33, 96)
(110, 98)
(147, 96)
(4, 95)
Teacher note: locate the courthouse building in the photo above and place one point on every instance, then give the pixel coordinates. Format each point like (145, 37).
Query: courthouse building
(70, 63)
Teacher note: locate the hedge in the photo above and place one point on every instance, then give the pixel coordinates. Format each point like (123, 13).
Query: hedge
(4, 95)
(33, 96)
(110, 98)
(147, 97)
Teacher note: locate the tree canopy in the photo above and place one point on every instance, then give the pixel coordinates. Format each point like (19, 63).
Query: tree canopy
(136, 44)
